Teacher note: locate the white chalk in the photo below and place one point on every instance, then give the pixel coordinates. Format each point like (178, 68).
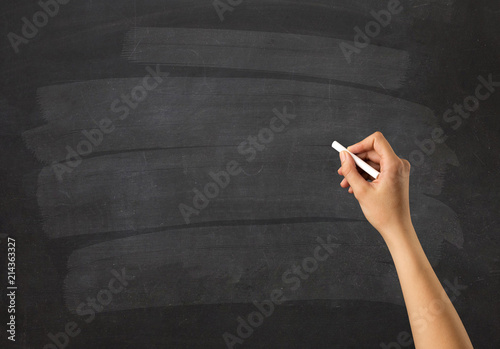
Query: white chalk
(363, 165)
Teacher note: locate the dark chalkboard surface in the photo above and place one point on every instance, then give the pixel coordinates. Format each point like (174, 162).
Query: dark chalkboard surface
(168, 180)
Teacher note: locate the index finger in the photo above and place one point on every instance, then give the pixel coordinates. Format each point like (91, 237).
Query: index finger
(376, 142)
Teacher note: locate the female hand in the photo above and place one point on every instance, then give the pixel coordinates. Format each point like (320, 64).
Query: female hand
(385, 200)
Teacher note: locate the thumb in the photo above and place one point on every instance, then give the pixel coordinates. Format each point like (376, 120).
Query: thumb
(351, 174)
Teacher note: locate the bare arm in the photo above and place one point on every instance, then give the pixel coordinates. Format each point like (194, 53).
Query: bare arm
(385, 204)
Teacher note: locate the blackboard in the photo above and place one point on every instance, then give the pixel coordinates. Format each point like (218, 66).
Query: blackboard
(168, 180)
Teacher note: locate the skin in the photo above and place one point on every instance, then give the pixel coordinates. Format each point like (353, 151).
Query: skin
(385, 204)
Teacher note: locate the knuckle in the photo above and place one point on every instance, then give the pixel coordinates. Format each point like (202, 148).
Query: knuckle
(361, 191)
(403, 167)
(347, 172)
(400, 164)
(407, 164)
(378, 134)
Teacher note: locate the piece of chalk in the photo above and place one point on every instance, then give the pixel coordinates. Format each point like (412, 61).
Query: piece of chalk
(363, 165)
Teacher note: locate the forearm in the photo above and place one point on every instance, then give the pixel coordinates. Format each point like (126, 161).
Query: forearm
(433, 319)
(386, 205)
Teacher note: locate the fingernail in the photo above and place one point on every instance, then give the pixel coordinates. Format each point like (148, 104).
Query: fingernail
(342, 156)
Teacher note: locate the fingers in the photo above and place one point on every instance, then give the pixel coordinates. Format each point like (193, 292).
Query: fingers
(363, 173)
(375, 142)
(370, 156)
(351, 175)
(375, 165)
(344, 183)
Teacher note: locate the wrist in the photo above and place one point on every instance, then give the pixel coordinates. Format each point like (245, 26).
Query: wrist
(406, 250)
(400, 237)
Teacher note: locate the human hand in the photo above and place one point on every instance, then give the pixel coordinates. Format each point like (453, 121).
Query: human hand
(385, 200)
